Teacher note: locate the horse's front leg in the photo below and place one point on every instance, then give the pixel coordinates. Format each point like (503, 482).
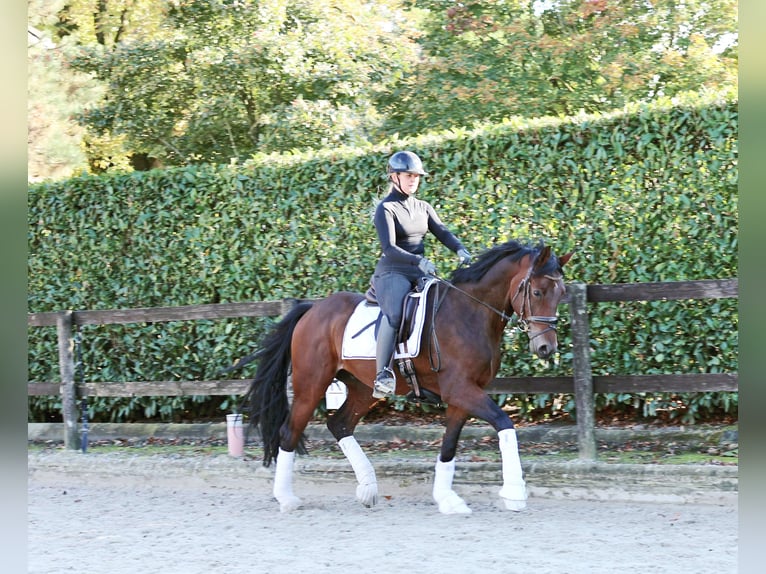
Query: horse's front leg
(513, 493)
(448, 500)
(367, 487)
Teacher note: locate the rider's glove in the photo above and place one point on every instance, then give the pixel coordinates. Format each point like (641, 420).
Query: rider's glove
(426, 266)
(464, 256)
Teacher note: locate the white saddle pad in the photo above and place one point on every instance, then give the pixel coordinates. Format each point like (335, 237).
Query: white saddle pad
(359, 336)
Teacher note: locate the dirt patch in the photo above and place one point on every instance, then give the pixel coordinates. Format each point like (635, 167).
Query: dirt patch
(124, 512)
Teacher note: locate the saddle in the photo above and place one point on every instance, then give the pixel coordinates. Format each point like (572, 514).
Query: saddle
(411, 304)
(407, 341)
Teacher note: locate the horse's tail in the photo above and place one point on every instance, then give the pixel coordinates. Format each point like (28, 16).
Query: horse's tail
(266, 399)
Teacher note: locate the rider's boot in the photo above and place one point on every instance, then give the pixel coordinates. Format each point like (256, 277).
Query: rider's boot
(385, 382)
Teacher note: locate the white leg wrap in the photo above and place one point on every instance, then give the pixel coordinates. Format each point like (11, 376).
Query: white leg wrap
(514, 491)
(448, 500)
(283, 482)
(367, 489)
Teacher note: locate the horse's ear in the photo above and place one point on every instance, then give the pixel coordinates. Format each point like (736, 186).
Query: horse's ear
(543, 257)
(564, 259)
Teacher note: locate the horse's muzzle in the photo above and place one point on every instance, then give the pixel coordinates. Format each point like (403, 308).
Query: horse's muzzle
(542, 350)
(542, 340)
(544, 343)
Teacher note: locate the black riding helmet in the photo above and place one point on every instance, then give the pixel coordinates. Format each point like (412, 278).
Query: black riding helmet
(405, 162)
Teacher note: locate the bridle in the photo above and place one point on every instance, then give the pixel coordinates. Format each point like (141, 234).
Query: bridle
(525, 320)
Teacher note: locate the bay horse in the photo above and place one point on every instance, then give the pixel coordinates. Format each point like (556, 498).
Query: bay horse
(476, 305)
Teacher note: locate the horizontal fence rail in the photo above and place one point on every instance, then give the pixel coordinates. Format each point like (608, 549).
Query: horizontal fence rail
(582, 384)
(692, 382)
(166, 314)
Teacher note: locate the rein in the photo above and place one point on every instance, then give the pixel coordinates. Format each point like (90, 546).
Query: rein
(505, 316)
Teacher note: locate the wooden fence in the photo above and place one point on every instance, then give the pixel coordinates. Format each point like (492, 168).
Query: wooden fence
(582, 384)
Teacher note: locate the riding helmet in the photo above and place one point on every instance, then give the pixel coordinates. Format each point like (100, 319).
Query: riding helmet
(407, 162)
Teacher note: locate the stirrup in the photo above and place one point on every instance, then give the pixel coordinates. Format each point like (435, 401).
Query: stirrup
(384, 384)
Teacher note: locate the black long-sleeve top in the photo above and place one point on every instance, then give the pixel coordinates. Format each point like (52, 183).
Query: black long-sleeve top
(402, 222)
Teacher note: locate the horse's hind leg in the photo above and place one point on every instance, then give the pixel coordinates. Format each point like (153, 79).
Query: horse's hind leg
(342, 424)
(283, 481)
(307, 392)
(290, 438)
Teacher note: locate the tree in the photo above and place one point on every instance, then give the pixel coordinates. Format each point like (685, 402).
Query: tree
(224, 79)
(55, 94)
(211, 80)
(484, 61)
(58, 146)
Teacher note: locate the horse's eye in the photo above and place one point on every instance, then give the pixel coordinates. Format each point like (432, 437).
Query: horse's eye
(537, 292)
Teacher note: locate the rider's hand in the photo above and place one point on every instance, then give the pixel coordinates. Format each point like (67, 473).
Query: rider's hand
(464, 256)
(426, 266)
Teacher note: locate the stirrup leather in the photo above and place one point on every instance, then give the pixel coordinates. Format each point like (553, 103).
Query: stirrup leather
(417, 394)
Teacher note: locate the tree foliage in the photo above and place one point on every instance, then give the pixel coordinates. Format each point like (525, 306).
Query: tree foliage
(226, 78)
(55, 94)
(488, 60)
(190, 81)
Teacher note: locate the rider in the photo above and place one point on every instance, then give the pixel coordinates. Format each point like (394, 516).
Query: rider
(402, 222)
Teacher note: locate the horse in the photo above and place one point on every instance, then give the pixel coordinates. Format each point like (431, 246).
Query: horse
(474, 308)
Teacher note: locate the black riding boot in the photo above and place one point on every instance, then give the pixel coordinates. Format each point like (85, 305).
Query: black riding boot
(385, 383)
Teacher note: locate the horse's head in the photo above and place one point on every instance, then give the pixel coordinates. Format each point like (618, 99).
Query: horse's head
(536, 291)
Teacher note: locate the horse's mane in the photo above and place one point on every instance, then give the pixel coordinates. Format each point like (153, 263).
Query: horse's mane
(489, 258)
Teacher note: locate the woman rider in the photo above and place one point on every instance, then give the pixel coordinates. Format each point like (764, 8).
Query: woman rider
(402, 222)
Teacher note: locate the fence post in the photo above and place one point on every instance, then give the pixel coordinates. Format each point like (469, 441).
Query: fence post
(583, 376)
(64, 323)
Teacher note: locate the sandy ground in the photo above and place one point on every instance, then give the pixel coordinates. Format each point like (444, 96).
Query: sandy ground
(130, 521)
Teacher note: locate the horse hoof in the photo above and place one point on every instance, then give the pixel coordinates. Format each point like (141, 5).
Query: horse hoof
(453, 504)
(367, 494)
(514, 505)
(514, 496)
(289, 504)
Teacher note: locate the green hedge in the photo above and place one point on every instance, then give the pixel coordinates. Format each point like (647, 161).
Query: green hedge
(647, 194)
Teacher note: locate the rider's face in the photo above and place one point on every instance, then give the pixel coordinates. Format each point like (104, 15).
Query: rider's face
(407, 182)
